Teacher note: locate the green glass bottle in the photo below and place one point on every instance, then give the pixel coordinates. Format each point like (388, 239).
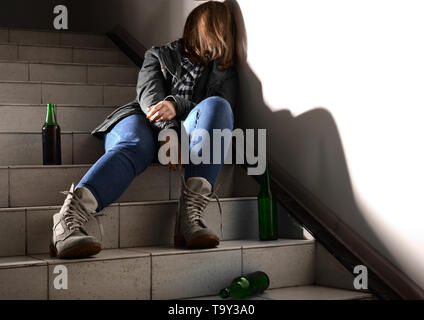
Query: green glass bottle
(267, 210)
(246, 287)
(52, 154)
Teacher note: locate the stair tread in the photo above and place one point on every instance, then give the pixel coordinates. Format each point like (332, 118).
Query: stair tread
(14, 52)
(122, 204)
(56, 37)
(223, 246)
(311, 292)
(162, 250)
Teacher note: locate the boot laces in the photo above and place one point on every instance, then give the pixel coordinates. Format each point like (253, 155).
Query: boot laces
(76, 214)
(196, 203)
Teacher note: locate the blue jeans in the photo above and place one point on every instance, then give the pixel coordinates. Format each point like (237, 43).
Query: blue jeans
(131, 146)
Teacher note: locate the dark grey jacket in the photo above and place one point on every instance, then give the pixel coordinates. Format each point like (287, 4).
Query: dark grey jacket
(155, 84)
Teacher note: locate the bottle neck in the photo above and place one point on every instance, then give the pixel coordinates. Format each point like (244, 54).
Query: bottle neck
(225, 293)
(50, 116)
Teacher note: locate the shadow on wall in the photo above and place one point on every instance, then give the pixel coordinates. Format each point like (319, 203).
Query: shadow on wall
(308, 147)
(150, 22)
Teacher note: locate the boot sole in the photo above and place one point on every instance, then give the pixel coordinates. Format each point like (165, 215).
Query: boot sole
(82, 251)
(201, 242)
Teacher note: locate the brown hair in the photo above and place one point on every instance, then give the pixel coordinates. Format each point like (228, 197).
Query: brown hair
(210, 33)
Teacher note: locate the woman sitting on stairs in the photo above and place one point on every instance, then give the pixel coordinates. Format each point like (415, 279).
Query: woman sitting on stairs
(192, 81)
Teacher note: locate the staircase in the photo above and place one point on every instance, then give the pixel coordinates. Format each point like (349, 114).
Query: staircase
(87, 77)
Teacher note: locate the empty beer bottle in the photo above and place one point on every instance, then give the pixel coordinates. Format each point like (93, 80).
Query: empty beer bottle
(246, 287)
(52, 154)
(267, 210)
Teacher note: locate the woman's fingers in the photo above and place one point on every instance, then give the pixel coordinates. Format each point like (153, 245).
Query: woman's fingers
(155, 116)
(161, 115)
(154, 109)
(163, 111)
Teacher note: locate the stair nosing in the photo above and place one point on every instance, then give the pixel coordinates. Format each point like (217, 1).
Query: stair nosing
(59, 33)
(229, 246)
(54, 261)
(2, 43)
(168, 250)
(35, 105)
(126, 85)
(356, 295)
(38, 132)
(64, 166)
(77, 64)
(53, 31)
(24, 264)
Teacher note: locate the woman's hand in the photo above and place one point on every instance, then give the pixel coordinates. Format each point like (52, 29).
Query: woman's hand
(163, 111)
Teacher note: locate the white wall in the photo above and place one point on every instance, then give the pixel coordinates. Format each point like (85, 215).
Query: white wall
(342, 85)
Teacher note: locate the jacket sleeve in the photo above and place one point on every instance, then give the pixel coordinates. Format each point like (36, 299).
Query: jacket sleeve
(184, 106)
(226, 89)
(151, 87)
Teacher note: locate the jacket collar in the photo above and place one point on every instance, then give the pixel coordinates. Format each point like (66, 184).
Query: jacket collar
(170, 54)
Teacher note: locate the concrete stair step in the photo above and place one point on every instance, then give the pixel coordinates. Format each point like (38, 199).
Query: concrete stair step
(36, 92)
(55, 38)
(28, 230)
(313, 292)
(29, 118)
(62, 54)
(28, 186)
(159, 272)
(67, 72)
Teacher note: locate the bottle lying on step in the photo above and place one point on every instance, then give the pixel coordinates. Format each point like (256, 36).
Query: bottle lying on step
(247, 286)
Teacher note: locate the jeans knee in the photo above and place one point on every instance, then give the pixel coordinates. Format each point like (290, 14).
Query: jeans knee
(219, 104)
(138, 153)
(220, 107)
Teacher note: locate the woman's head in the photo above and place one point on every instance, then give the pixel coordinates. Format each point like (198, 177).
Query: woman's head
(209, 34)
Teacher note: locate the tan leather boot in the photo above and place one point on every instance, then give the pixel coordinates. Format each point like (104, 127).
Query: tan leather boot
(191, 230)
(70, 239)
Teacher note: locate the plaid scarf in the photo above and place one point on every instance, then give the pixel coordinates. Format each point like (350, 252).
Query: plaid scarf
(190, 72)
